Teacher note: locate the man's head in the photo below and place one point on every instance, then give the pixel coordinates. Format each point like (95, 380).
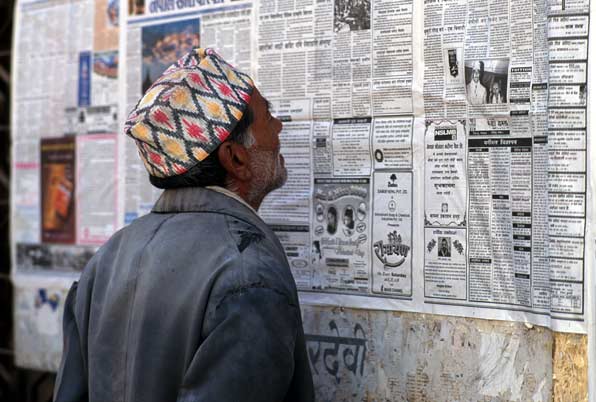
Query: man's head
(204, 123)
(476, 71)
(256, 168)
(348, 218)
(331, 220)
(444, 244)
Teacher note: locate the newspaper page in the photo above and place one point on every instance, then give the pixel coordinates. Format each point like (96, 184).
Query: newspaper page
(511, 82)
(64, 130)
(56, 119)
(340, 76)
(495, 204)
(64, 192)
(568, 26)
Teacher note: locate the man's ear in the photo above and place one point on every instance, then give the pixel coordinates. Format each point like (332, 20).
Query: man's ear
(235, 160)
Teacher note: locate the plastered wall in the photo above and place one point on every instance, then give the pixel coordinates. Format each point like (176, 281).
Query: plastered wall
(362, 355)
(367, 355)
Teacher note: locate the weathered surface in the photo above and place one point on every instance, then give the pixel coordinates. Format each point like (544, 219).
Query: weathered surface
(38, 326)
(570, 368)
(360, 355)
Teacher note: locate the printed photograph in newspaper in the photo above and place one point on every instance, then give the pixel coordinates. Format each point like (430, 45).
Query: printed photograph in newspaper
(136, 7)
(351, 15)
(486, 81)
(164, 44)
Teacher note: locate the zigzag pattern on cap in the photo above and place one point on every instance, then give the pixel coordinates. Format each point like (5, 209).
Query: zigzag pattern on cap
(188, 112)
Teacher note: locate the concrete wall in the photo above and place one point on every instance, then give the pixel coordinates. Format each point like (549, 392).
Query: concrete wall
(362, 355)
(366, 355)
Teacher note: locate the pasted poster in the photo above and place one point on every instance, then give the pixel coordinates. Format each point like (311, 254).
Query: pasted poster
(341, 239)
(58, 190)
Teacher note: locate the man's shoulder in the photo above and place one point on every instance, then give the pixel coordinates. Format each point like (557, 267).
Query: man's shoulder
(256, 260)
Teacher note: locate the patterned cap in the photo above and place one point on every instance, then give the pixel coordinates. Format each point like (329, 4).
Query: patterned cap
(188, 112)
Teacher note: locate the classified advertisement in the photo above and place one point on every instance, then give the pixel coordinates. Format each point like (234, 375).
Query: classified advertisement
(567, 156)
(291, 203)
(500, 191)
(479, 214)
(445, 215)
(354, 58)
(157, 33)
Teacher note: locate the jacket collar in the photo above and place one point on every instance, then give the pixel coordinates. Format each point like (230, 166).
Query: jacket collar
(200, 199)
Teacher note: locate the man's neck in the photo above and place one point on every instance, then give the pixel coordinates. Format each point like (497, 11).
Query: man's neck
(236, 195)
(245, 191)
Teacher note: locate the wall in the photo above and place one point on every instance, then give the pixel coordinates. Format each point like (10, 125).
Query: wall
(415, 357)
(570, 368)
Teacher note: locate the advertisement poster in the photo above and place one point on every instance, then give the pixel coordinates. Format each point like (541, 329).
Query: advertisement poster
(58, 190)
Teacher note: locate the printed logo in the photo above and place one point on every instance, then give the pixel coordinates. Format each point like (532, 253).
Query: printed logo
(392, 183)
(394, 253)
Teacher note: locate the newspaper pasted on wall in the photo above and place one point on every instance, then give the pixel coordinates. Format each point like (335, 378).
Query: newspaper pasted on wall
(437, 151)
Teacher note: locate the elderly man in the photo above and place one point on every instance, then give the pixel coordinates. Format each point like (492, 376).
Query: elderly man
(475, 90)
(195, 301)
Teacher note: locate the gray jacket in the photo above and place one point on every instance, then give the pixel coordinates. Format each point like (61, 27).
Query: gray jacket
(193, 302)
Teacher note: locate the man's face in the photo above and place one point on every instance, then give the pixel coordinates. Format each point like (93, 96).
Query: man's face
(267, 164)
(444, 244)
(476, 75)
(331, 218)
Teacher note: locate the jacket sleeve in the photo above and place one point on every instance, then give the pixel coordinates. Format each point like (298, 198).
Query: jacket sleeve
(71, 382)
(248, 352)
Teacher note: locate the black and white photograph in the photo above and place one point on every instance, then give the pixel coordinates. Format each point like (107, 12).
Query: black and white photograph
(444, 249)
(331, 220)
(486, 81)
(348, 221)
(351, 15)
(453, 71)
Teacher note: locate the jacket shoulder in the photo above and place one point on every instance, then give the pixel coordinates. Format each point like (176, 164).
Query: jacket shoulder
(258, 261)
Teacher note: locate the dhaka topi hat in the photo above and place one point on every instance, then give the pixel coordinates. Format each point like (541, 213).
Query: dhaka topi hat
(188, 112)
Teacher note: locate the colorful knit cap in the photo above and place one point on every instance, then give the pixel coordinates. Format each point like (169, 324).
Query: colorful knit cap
(188, 112)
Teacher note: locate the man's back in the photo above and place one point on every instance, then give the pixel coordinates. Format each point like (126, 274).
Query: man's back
(194, 302)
